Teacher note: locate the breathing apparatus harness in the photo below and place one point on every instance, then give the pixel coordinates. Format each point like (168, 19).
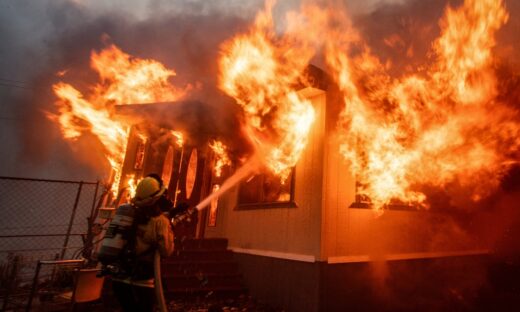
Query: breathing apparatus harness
(117, 252)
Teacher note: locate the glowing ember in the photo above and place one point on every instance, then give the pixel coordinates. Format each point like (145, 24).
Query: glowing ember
(124, 80)
(62, 73)
(260, 71)
(222, 158)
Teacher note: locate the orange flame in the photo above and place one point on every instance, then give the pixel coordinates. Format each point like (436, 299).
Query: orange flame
(436, 127)
(179, 138)
(443, 127)
(124, 80)
(260, 71)
(127, 80)
(131, 183)
(222, 158)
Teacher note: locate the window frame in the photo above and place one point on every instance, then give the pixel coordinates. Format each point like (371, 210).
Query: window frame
(291, 203)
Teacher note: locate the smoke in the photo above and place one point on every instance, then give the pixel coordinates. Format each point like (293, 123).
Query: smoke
(403, 33)
(46, 37)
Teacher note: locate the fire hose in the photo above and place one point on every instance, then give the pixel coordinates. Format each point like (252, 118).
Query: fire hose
(245, 170)
(161, 302)
(159, 291)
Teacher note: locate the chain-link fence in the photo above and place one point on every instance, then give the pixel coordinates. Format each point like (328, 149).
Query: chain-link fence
(41, 220)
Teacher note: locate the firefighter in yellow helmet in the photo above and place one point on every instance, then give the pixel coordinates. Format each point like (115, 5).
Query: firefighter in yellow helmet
(152, 231)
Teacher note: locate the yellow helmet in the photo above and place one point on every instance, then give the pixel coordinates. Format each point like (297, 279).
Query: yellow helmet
(148, 191)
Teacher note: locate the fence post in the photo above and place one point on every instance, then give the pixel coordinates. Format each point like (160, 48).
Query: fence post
(67, 236)
(93, 211)
(87, 243)
(34, 286)
(12, 282)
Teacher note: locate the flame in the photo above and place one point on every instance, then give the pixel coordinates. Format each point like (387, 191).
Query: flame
(131, 183)
(260, 71)
(222, 158)
(124, 80)
(179, 138)
(441, 125)
(127, 80)
(444, 126)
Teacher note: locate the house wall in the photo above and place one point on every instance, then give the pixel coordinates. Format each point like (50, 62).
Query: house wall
(325, 256)
(360, 235)
(287, 232)
(322, 227)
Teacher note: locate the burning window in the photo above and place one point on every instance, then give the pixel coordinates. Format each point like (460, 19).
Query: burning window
(266, 191)
(363, 201)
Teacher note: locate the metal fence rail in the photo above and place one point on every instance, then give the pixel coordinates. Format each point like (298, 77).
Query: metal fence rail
(40, 219)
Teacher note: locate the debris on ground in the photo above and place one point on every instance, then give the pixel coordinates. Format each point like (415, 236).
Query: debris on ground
(205, 304)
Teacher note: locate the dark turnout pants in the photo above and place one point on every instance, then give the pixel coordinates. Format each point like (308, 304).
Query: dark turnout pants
(134, 298)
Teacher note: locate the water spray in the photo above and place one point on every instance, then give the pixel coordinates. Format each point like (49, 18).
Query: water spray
(249, 167)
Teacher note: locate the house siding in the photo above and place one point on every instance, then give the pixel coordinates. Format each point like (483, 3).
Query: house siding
(294, 230)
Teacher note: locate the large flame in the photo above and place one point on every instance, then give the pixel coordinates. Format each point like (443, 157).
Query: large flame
(444, 126)
(260, 70)
(124, 80)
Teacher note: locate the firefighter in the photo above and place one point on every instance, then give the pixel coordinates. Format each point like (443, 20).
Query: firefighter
(151, 231)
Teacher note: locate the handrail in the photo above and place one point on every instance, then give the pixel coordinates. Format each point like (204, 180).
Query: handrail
(67, 261)
(159, 293)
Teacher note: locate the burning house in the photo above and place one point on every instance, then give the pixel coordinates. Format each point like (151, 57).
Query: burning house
(335, 201)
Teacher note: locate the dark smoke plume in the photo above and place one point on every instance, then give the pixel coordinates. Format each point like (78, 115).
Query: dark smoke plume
(186, 39)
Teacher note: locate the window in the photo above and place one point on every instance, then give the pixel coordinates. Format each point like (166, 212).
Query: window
(266, 191)
(363, 201)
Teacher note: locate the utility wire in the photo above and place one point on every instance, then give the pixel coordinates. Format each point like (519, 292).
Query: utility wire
(15, 86)
(16, 81)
